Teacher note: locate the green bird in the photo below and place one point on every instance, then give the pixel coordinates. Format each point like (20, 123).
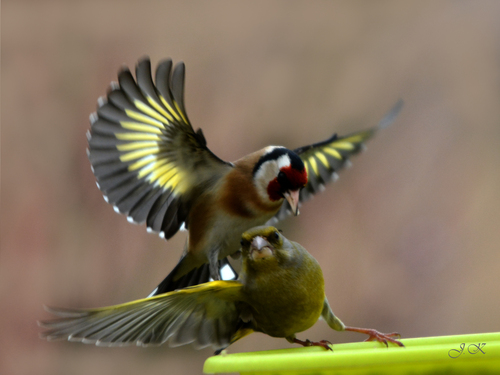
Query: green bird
(280, 292)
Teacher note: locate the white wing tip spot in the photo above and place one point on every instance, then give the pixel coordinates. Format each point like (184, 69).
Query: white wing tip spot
(117, 210)
(183, 227)
(106, 199)
(93, 118)
(130, 219)
(149, 230)
(114, 85)
(102, 101)
(162, 234)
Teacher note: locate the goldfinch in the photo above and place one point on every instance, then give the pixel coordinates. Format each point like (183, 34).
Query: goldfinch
(153, 167)
(280, 292)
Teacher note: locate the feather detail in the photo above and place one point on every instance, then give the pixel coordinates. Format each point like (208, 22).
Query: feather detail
(205, 314)
(146, 157)
(324, 159)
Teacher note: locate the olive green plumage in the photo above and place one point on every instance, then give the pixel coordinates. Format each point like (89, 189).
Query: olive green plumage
(289, 280)
(280, 292)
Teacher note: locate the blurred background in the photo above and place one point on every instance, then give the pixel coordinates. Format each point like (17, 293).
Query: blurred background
(408, 237)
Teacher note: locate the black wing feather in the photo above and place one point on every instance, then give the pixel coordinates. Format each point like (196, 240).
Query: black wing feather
(324, 159)
(146, 157)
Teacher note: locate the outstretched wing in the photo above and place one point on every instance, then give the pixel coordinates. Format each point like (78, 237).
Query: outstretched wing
(324, 159)
(147, 159)
(204, 314)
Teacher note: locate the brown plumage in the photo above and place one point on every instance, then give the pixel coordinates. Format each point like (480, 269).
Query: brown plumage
(152, 166)
(239, 198)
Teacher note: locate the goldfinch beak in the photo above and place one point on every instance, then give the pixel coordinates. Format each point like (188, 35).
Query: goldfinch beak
(293, 199)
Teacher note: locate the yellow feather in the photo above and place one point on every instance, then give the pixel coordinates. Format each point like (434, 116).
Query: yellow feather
(322, 159)
(179, 183)
(139, 154)
(239, 334)
(170, 109)
(213, 285)
(174, 181)
(142, 127)
(357, 138)
(314, 165)
(342, 145)
(225, 286)
(333, 152)
(137, 137)
(150, 111)
(180, 112)
(143, 118)
(159, 170)
(154, 165)
(135, 146)
(164, 179)
(159, 108)
(141, 163)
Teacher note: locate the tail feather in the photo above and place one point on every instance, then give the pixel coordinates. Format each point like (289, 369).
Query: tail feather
(197, 276)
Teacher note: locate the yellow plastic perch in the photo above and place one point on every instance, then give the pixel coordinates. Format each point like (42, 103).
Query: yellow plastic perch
(460, 354)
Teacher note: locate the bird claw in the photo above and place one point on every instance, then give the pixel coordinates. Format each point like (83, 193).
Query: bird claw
(375, 335)
(323, 343)
(384, 337)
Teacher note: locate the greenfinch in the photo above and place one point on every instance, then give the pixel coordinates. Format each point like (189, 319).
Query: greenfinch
(280, 292)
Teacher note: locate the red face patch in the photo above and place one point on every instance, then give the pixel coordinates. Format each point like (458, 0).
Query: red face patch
(274, 190)
(294, 180)
(298, 179)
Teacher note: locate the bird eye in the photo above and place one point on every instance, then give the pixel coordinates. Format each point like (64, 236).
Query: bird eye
(281, 176)
(275, 236)
(243, 242)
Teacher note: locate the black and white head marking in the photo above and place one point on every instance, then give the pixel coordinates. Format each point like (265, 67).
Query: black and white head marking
(275, 159)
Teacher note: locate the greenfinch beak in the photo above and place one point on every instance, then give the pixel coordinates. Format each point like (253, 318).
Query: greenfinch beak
(260, 248)
(293, 199)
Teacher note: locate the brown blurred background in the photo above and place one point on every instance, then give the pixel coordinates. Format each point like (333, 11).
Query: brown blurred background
(408, 238)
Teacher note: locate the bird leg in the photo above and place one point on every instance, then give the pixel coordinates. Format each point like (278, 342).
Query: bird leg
(324, 343)
(378, 336)
(213, 259)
